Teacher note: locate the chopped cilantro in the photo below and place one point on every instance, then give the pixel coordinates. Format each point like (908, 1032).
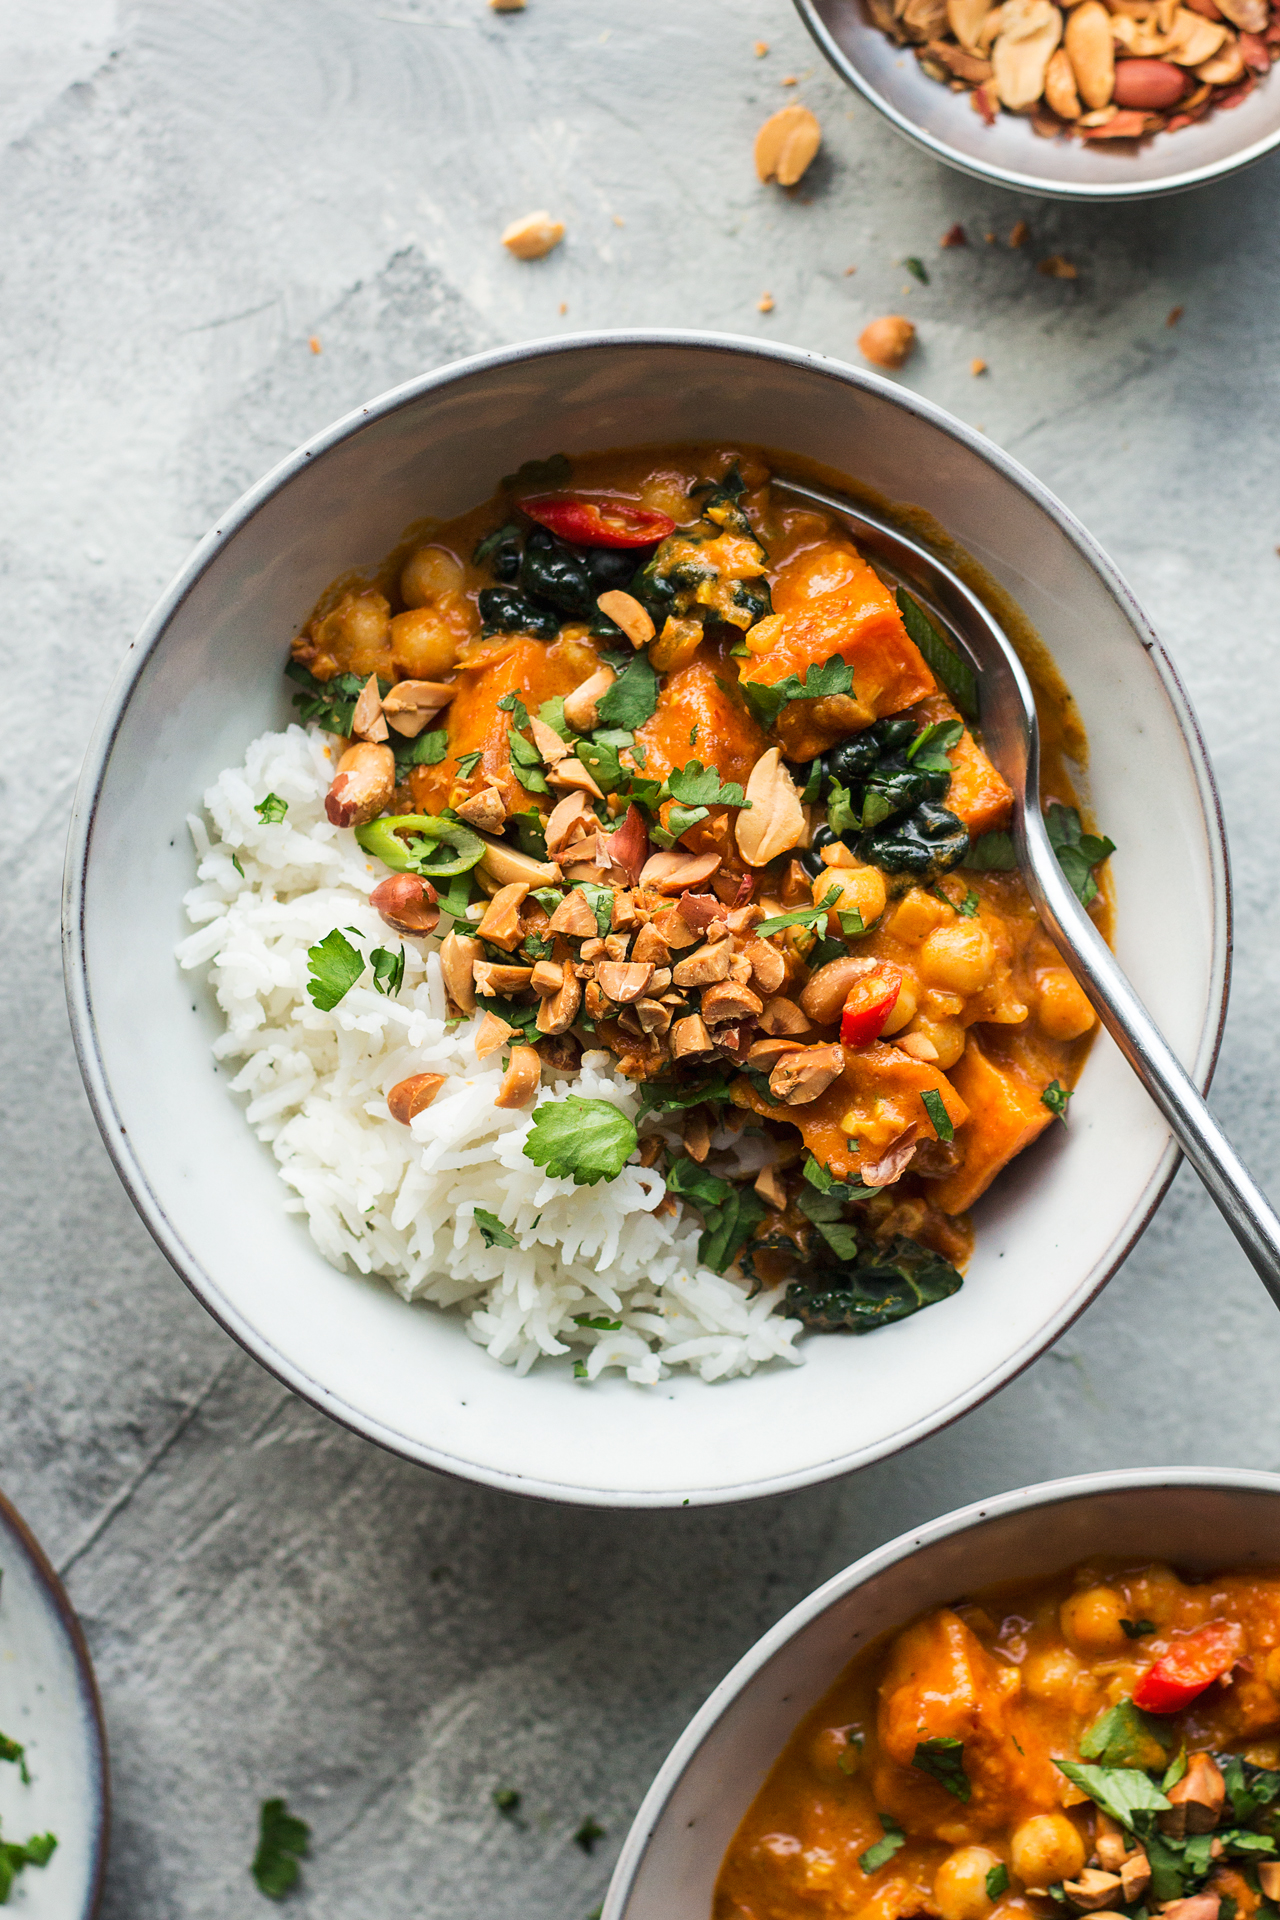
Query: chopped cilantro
(698, 786)
(506, 1800)
(1135, 1629)
(956, 675)
(991, 853)
(997, 1881)
(841, 817)
(852, 925)
(513, 1012)
(819, 683)
(826, 1211)
(916, 267)
(633, 697)
(657, 1096)
(689, 1181)
(1124, 1736)
(468, 762)
(1078, 852)
(329, 703)
(14, 1856)
(235, 861)
(933, 743)
(428, 750)
(875, 1857)
(492, 1231)
(282, 1842)
(814, 917)
(388, 970)
(968, 907)
(551, 713)
(600, 901)
(729, 1213)
(935, 1107)
(943, 1759)
(1055, 1097)
(580, 1370)
(598, 1323)
(271, 810)
(334, 966)
(580, 1140)
(1119, 1791)
(14, 1752)
(588, 1833)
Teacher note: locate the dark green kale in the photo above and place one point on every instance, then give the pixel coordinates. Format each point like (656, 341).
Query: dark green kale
(884, 1285)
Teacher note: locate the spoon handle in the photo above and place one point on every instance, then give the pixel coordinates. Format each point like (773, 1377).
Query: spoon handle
(1233, 1188)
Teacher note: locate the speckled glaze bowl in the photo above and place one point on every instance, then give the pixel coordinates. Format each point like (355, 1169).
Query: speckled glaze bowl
(1194, 1517)
(49, 1703)
(1011, 153)
(204, 677)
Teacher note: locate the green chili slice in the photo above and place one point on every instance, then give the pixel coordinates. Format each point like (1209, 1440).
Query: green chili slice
(444, 847)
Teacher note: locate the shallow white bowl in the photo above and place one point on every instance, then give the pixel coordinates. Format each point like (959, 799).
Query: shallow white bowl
(49, 1702)
(1196, 1518)
(1010, 152)
(205, 676)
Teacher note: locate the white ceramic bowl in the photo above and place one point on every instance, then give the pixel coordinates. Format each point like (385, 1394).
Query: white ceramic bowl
(204, 677)
(49, 1702)
(1011, 152)
(1207, 1518)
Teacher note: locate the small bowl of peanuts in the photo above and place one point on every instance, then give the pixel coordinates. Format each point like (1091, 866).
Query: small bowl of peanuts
(1083, 100)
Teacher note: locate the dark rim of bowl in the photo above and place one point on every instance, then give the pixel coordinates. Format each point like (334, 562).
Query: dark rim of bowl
(185, 1261)
(967, 1519)
(99, 1766)
(1102, 191)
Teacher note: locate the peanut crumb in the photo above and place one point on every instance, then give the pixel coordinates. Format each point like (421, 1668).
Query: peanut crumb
(564, 306)
(314, 341)
(990, 239)
(762, 47)
(1020, 235)
(1175, 314)
(848, 271)
(534, 236)
(507, 6)
(618, 220)
(790, 80)
(765, 303)
(977, 366)
(1057, 267)
(954, 237)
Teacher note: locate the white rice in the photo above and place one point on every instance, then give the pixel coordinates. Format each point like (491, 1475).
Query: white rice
(400, 1201)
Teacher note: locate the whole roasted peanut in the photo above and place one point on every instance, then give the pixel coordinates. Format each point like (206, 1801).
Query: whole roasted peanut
(786, 145)
(412, 1095)
(888, 342)
(1251, 16)
(824, 997)
(534, 236)
(1152, 84)
(1060, 86)
(362, 786)
(406, 903)
(1091, 52)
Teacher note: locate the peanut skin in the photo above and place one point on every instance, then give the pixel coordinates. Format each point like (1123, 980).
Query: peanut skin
(1152, 84)
(362, 786)
(406, 903)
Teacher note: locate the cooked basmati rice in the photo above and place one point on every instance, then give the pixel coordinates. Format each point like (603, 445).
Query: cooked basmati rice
(401, 1201)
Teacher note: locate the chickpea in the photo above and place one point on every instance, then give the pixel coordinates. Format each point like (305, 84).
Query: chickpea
(1091, 1620)
(1063, 1010)
(948, 1038)
(422, 645)
(1045, 1849)
(1052, 1676)
(861, 889)
(904, 1007)
(917, 914)
(960, 957)
(430, 573)
(356, 636)
(960, 1884)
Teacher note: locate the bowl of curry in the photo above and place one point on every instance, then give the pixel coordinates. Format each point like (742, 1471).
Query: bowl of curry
(1059, 1703)
(654, 821)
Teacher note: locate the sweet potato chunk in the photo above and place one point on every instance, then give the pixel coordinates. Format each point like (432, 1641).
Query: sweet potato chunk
(875, 1100)
(696, 719)
(1005, 1115)
(980, 796)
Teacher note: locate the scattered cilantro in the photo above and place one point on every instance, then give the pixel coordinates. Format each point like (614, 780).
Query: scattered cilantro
(825, 1181)
(334, 966)
(1119, 1791)
(1175, 1770)
(598, 1323)
(580, 1140)
(819, 683)
(991, 853)
(1248, 1786)
(507, 1801)
(588, 1833)
(271, 810)
(997, 1881)
(455, 897)
(826, 1211)
(841, 817)
(600, 901)
(633, 697)
(729, 1213)
(601, 759)
(1125, 1736)
(933, 743)
(14, 1856)
(875, 1857)
(698, 786)
(492, 1231)
(935, 1107)
(852, 925)
(1078, 852)
(690, 1181)
(1055, 1097)
(329, 703)
(235, 861)
(657, 1096)
(813, 917)
(943, 1759)
(554, 472)
(956, 675)
(513, 1012)
(580, 1370)
(282, 1842)
(968, 907)
(468, 762)
(16, 1754)
(536, 947)
(915, 266)
(428, 750)
(388, 970)
(551, 713)
(1135, 1629)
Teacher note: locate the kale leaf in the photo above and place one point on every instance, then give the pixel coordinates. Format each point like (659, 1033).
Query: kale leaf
(885, 1285)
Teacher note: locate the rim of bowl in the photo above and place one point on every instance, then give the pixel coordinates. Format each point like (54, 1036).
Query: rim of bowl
(966, 1519)
(1096, 192)
(99, 1767)
(184, 1259)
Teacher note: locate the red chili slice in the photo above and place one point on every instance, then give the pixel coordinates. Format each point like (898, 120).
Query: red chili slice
(590, 523)
(1190, 1665)
(869, 1006)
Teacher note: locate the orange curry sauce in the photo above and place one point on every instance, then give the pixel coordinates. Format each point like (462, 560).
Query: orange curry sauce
(1018, 1675)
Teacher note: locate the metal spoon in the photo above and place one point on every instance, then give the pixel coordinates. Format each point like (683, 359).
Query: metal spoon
(1011, 738)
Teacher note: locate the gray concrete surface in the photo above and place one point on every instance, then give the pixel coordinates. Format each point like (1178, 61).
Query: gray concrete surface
(189, 192)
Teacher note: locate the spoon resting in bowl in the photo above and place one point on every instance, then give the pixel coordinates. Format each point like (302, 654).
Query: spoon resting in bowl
(1011, 739)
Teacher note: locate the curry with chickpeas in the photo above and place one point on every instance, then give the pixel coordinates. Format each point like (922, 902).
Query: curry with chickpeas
(1102, 1743)
(689, 781)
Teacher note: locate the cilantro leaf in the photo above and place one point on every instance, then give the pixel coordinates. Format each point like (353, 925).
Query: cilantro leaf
(388, 970)
(598, 1323)
(428, 750)
(271, 810)
(551, 713)
(814, 917)
(600, 901)
(588, 1833)
(917, 269)
(968, 907)
(955, 674)
(841, 816)
(729, 1227)
(492, 1231)
(282, 1842)
(1248, 1786)
(580, 1140)
(689, 1181)
(699, 786)
(943, 1759)
(657, 1096)
(933, 743)
(468, 762)
(334, 966)
(16, 1753)
(997, 1881)
(875, 1857)
(819, 683)
(1125, 1736)
(329, 703)
(991, 853)
(633, 697)
(601, 760)
(1055, 1097)
(679, 821)
(935, 1107)
(1078, 852)
(514, 1014)
(1119, 1791)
